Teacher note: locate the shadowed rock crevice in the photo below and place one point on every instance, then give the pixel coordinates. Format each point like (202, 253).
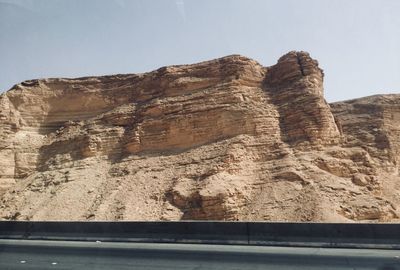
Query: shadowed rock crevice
(299, 62)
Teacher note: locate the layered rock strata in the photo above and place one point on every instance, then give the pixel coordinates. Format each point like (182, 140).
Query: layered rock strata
(226, 139)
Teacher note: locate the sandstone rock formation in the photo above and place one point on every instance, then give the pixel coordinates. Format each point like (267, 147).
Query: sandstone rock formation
(226, 139)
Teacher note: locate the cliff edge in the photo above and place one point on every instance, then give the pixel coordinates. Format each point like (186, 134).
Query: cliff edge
(226, 139)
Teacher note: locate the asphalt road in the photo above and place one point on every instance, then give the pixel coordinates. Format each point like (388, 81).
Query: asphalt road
(35, 254)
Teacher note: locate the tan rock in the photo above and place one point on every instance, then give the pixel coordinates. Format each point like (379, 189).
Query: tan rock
(360, 179)
(226, 139)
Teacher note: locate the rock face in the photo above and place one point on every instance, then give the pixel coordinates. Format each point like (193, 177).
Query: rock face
(226, 139)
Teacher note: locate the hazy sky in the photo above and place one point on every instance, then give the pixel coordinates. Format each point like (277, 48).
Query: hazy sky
(357, 42)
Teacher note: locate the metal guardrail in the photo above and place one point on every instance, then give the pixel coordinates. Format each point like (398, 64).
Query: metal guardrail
(352, 235)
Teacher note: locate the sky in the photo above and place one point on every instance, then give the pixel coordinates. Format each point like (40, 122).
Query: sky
(357, 42)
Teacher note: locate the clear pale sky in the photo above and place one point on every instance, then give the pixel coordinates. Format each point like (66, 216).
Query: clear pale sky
(357, 42)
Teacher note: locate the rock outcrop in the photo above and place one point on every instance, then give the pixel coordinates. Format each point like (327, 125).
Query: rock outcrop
(226, 139)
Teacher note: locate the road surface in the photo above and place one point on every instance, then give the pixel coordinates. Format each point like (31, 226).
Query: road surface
(36, 254)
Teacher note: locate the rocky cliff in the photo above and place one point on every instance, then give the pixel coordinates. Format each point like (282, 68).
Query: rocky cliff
(226, 139)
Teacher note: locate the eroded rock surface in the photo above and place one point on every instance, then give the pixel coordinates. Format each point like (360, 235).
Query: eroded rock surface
(226, 139)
